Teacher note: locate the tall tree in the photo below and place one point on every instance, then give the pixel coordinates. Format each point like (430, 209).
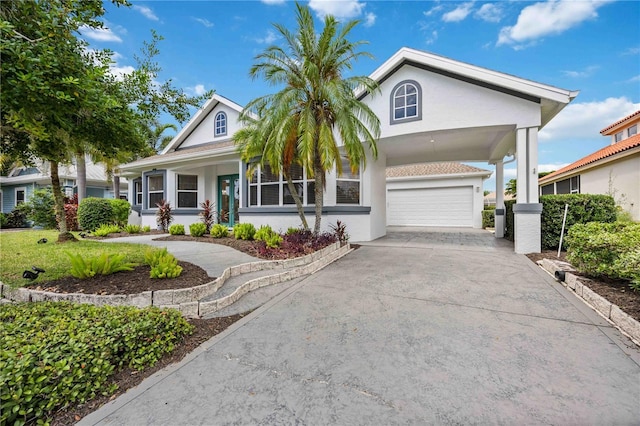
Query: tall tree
(316, 103)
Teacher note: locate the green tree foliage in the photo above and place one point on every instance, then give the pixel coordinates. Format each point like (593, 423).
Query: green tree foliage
(298, 124)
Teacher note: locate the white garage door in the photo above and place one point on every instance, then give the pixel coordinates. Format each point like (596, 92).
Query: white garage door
(430, 207)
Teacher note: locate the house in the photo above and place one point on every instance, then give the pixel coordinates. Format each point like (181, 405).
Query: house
(490, 198)
(21, 181)
(432, 109)
(613, 170)
(435, 194)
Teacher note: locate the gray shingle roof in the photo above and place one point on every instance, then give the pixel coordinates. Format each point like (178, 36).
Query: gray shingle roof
(430, 169)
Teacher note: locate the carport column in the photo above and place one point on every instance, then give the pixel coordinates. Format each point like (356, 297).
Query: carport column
(499, 216)
(527, 210)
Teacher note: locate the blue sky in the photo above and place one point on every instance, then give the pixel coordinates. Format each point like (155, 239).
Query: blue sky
(590, 46)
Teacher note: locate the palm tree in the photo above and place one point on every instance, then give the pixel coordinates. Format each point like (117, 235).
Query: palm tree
(299, 123)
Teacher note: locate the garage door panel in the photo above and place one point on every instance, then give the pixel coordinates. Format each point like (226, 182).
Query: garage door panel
(430, 207)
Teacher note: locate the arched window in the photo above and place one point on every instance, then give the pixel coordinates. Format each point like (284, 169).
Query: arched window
(221, 124)
(406, 102)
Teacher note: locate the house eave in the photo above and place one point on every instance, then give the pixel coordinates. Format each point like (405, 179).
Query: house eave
(484, 175)
(130, 169)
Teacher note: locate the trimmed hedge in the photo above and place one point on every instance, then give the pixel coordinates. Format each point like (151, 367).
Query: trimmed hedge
(56, 353)
(489, 218)
(583, 208)
(93, 212)
(121, 210)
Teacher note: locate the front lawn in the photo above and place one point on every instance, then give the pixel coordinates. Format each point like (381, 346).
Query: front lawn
(21, 250)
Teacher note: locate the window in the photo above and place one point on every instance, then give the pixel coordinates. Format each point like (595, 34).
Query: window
(348, 185)
(267, 188)
(618, 137)
(547, 189)
(155, 188)
(575, 184)
(221, 124)
(137, 192)
(633, 130)
(406, 99)
(20, 195)
(187, 191)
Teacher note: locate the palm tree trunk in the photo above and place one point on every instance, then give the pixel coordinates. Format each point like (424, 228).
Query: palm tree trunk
(296, 198)
(318, 171)
(81, 168)
(58, 198)
(116, 186)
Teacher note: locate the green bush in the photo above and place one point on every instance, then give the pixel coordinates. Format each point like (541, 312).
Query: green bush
(489, 218)
(605, 249)
(152, 256)
(56, 354)
(146, 228)
(106, 229)
(176, 229)
(17, 218)
(132, 229)
(273, 241)
(121, 210)
(40, 209)
(219, 231)
(262, 233)
(93, 212)
(244, 231)
(104, 264)
(197, 229)
(292, 230)
(3, 220)
(167, 267)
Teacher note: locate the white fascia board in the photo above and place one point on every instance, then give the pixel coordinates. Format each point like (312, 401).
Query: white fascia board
(483, 175)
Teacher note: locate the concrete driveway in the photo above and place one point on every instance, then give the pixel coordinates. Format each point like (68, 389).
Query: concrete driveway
(407, 329)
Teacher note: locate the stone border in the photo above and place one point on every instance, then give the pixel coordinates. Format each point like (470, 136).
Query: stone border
(627, 324)
(187, 300)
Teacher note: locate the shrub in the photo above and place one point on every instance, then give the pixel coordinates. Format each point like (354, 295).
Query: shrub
(164, 217)
(104, 264)
(219, 231)
(208, 214)
(197, 229)
(106, 229)
(176, 229)
(132, 229)
(340, 232)
(628, 265)
(55, 354)
(489, 218)
(71, 216)
(292, 230)
(93, 212)
(605, 249)
(17, 218)
(244, 231)
(3, 220)
(167, 267)
(273, 241)
(152, 256)
(263, 233)
(40, 209)
(121, 211)
(146, 228)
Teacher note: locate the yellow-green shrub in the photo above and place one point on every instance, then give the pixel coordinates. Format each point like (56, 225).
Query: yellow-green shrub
(104, 264)
(219, 231)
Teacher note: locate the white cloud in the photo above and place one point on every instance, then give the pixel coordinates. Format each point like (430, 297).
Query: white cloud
(269, 38)
(99, 34)
(548, 18)
(147, 12)
(588, 71)
(489, 12)
(634, 79)
(631, 51)
(338, 8)
(270, 2)
(431, 38)
(369, 19)
(585, 120)
(204, 22)
(199, 89)
(458, 14)
(120, 71)
(433, 10)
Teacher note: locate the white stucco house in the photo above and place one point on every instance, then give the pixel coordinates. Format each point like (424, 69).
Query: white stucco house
(432, 109)
(613, 170)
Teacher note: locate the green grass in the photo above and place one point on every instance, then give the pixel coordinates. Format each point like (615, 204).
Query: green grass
(20, 251)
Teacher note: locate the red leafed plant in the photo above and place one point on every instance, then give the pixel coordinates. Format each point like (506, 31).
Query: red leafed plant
(163, 215)
(208, 214)
(71, 212)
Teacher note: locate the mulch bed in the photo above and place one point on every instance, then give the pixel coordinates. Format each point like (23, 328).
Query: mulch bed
(615, 291)
(128, 377)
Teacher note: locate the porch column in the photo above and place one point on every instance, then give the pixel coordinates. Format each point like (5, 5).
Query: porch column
(527, 210)
(499, 216)
(242, 179)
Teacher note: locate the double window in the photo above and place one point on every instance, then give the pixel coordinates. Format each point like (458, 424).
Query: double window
(269, 188)
(221, 124)
(187, 191)
(406, 102)
(348, 185)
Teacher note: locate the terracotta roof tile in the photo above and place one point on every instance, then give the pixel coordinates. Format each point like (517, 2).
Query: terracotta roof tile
(605, 152)
(619, 121)
(429, 169)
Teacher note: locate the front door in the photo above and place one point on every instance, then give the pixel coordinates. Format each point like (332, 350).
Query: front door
(228, 199)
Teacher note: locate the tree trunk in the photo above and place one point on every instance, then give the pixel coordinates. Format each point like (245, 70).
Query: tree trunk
(81, 170)
(296, 198)
(116, 186)
(318, 171)
(58, 198)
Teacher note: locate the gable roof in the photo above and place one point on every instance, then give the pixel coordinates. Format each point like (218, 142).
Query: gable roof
(601, 154)
(435, 169)
(197, 119)
(96, 173)
(605, 131)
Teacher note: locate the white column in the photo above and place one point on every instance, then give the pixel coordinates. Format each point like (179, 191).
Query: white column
(527, 210)
(532, 165)
(500, 213)
(521, 163)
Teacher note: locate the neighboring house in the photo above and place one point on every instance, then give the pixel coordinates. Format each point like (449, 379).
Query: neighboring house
(19, 184)
(431, 108)
(435, 194)
(490, 198)
(613, 170)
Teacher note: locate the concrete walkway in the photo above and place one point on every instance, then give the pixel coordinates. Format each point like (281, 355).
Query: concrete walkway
(404, 331)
